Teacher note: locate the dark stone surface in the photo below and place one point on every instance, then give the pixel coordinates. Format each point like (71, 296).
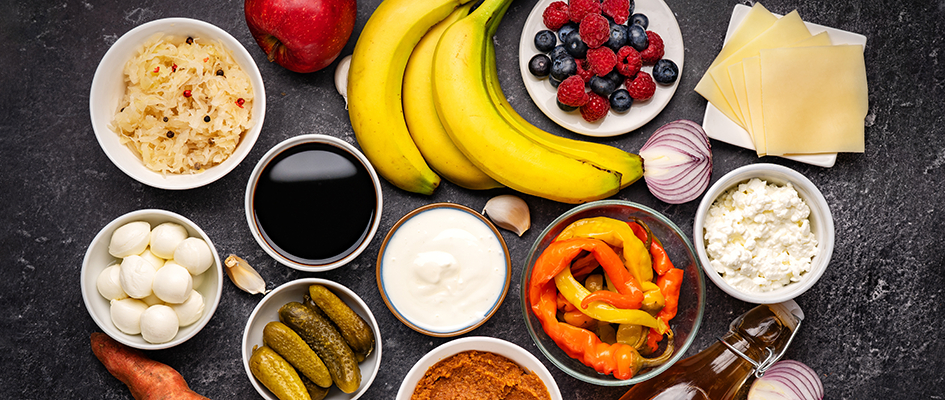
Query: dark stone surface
(874, 326)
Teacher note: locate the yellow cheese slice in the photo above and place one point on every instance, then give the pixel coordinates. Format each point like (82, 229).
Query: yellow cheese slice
(752, 72)
(737, 73)
(740, 79)
(755, 22)
(787, 30)
(815, 99)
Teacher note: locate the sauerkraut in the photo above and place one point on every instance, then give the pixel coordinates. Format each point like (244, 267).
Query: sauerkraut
(186, 106)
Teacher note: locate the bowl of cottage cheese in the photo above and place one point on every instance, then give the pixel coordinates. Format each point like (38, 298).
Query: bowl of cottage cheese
(764, 233)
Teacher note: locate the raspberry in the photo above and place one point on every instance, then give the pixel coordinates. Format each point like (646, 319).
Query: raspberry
(571, 92)
(555, 15)
(596, 108)
(594, 30)
(601, 60)
(641, 87)
(578, 9)
(583, 71)
(619, 10)
(628, 61)
(654, 52)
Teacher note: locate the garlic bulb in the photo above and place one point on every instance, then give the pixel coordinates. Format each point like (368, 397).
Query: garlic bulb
(509, 212)
(244, 276)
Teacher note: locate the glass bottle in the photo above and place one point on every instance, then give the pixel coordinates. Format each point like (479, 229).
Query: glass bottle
(716, 373)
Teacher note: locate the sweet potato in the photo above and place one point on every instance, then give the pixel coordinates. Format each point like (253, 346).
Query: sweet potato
(147, 379)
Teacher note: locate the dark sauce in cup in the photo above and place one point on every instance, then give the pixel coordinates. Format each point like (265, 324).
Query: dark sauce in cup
(314, 203)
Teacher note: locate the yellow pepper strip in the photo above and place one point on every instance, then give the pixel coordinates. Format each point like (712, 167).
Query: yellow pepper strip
(616, 233)
(574, 292)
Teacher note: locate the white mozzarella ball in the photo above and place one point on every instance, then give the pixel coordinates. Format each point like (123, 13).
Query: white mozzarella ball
(130, 238)
(109, 283)
(126, 315)
(136, 276)
(190, 310)
(152, 299)
(159, 324)
(198, 280)
(172, 284)
(194, 254)
(149, 256)
(165, 238)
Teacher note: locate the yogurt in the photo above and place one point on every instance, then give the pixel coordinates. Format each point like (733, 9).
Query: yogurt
(444, 269)
(758, 236)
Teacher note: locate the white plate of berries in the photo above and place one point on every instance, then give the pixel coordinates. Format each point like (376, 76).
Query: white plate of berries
(601, 68)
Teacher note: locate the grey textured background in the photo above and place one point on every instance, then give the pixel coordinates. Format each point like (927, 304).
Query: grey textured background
(874, 326)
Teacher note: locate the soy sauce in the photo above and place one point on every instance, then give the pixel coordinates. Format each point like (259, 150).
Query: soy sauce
(314, 203)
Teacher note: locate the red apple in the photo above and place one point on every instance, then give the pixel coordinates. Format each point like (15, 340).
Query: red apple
(301, 35)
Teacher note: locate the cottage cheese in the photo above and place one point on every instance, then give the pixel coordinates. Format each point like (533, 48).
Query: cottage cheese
(758, 236)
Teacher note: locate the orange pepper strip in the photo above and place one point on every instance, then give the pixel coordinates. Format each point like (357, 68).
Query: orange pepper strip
(559, 254)
(661, 262)
(670, 284)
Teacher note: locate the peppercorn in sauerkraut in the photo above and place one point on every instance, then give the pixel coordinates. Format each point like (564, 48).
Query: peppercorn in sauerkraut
(186, 106)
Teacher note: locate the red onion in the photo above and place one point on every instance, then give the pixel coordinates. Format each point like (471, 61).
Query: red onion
(677, 162)
(787, 380)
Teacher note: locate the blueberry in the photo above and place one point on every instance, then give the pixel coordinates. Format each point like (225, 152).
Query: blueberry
(640, 19)
(545, 40)
(620, 100)
(575, 46)
(566, 30)
(631, 6)
(565, 107)
(539, 65)
(558, 52)
(602, 86)
(563, 67)
(554, 82)
(616, 77)
(618, 37)
(665, 72)
(637, 37)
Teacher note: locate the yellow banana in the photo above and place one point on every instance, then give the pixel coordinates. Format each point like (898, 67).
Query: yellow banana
(629, 165)
(496, 147)
(375, 83)
(425, 128)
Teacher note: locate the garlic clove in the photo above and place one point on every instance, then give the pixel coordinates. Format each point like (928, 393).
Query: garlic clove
(244, 276)
(509, 212)
(341, 78)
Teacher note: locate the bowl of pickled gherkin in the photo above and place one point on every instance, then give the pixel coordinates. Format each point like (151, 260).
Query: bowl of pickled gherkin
(311, 338)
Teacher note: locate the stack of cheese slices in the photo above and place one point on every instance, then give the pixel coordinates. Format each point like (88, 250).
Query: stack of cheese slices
(794, 92)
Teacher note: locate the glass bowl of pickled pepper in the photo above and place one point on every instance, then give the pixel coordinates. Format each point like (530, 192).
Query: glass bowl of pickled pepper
(613, 293)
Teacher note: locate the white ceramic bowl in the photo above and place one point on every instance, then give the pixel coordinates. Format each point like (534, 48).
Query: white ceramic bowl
(498, 346)
(108, 87)
(258, 232)
(399, 300)
(821, 223)
(268, 310)
(97, 259)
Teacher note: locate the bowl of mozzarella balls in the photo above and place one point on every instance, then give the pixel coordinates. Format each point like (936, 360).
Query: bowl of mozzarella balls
(151, 279)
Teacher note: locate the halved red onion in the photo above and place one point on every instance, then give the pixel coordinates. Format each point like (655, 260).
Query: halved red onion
(677, 162)
(787, 380)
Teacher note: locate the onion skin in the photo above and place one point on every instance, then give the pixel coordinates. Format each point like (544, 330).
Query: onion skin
(787, 380)
(677, 161)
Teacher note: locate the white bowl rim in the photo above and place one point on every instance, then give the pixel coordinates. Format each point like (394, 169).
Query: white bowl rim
(140, 173)
(475, 343)
(820, 212)
(284, 145)
(244, 345)
(107, 326)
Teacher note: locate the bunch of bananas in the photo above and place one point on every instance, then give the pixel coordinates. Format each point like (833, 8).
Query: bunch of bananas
(423, 88)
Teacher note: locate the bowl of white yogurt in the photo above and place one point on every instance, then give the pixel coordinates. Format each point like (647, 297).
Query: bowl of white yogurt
(443, 269)
(764, 233)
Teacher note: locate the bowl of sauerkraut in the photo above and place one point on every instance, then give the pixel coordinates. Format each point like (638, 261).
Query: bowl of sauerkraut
(177, 103)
